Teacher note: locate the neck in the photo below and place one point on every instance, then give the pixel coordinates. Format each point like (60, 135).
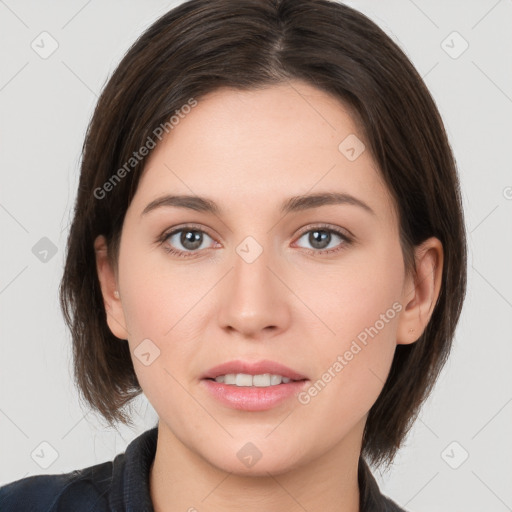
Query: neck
(182, 480)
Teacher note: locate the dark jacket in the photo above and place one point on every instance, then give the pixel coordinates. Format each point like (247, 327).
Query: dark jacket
(122, 485)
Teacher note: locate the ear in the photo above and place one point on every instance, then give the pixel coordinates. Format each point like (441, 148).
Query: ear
(421, 291)
(109, 289)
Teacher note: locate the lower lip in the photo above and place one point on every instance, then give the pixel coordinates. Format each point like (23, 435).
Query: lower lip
(252, 398)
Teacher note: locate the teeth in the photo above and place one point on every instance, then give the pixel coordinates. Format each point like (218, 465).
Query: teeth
(230, 379)
(275, 379)
(244, 379)
(265, 380)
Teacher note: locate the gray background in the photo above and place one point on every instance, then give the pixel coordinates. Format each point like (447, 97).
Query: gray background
(46, 104)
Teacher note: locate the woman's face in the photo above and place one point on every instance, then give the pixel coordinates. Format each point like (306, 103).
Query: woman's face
(317, 286)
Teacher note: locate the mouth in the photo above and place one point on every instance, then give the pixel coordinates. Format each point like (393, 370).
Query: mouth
(253, 386)
(262, 380)
(259, 373)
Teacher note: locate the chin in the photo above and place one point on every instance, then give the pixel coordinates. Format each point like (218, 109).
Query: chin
(249, 461)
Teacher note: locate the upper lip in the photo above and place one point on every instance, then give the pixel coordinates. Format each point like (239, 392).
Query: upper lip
(252, 368)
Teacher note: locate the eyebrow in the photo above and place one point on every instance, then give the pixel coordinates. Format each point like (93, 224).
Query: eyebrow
(292, 204)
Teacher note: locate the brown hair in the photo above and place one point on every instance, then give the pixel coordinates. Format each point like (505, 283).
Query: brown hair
(203, 45)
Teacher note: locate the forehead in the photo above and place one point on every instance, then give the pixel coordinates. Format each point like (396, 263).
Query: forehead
(258, 147)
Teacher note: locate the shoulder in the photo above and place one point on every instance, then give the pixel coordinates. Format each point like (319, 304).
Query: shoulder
(81, 490)
(371, 498)
(113, 485)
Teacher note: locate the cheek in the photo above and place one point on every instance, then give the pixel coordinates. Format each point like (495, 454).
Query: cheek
(359, 302)
(157, 293)
(160, 304)
(350, 296)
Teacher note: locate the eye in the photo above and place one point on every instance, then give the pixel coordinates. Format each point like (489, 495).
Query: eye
(323, 239)
(185, 241)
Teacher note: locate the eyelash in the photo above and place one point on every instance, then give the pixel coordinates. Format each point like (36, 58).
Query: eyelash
(189, 254)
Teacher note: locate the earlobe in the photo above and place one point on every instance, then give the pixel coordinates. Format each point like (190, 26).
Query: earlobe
(421, 291)
(111, 300)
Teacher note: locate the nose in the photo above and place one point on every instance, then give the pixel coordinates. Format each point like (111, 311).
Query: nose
(253, 301)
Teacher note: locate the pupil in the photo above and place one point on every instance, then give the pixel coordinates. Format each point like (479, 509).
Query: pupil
(317, 239)
(191, 239)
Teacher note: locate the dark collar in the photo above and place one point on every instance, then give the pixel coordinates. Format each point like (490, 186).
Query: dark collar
(130, 475)
(130, 480)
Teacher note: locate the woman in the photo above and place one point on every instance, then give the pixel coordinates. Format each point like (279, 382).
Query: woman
(268, 241)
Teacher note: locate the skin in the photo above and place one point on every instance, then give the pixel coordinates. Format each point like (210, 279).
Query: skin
(249, 151)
